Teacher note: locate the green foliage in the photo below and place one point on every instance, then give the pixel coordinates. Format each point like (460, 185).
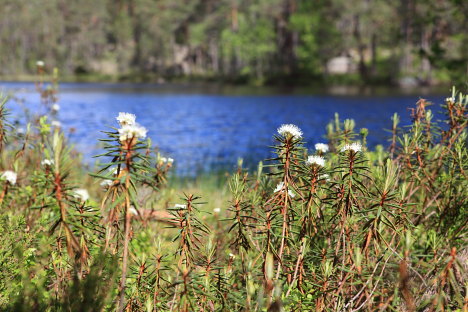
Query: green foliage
(260, 41)
(336, 229)
(16, 255)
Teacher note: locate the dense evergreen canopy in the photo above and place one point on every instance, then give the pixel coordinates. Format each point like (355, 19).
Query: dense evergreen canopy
(259, 40)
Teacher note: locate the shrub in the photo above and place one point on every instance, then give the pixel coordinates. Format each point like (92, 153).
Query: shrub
(343, 228)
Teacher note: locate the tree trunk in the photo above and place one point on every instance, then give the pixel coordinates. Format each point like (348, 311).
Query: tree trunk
(214, 54)
(363, 71)
(408, 8)
(373, 70)
(425, 63)
(136, 32)
(287, 39)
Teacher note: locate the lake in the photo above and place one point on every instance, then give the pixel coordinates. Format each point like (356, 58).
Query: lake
(205, 128)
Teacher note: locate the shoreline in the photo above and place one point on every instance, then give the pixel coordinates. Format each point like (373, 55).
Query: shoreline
(230, 89)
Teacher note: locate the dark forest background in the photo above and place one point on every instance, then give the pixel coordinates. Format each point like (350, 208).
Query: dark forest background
(420, 42)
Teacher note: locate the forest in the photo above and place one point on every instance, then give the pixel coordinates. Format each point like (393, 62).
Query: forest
(337, 219)
(412, 42)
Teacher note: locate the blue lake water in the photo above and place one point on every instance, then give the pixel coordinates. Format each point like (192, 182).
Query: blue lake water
(203, 129)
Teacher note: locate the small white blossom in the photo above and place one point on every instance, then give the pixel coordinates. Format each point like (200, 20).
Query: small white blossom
(232, 256)
(450, 99)
(81, 194)
(291, 130)
(140, 132)
(47, 162)
(325, 177)
(133, 211)
(316, 160)
(166, 160)
(321, 147)
(126, 119)
(132, 131)
(180, 206)
(9, 176)
(56, 123)
(113, 171)
(280, 187)
(40, 63)
(355, 147)
(107, 182)
(217, 210)
(55, 107)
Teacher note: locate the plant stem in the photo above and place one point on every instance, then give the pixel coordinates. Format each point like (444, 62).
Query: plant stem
(127, 227)
(125, 255)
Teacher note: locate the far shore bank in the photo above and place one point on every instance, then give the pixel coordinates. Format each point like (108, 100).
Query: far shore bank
(208, 86)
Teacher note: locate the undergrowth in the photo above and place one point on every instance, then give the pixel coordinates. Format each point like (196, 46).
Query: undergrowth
(340, 228)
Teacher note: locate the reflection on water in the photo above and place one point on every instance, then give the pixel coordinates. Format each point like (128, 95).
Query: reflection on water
(205, 131)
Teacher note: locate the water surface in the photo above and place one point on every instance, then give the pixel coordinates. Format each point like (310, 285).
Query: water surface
(207, 128)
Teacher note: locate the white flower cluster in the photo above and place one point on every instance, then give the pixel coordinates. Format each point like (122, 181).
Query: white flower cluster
(325, 177)
(167, 160)
(280, 187)
(316, 160)
(81, 194)
(217, 210)
(56, 123)
(55, 107)
(106, 183)
(40, 63)
(47, 162)
(450, 99)
(130, 129)
(9, 176)
(290, 129)
(109, 182)
(355, 147)
(133, 211)
(126, 119)
(129, 132)
(322, 147)
(180, 206)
